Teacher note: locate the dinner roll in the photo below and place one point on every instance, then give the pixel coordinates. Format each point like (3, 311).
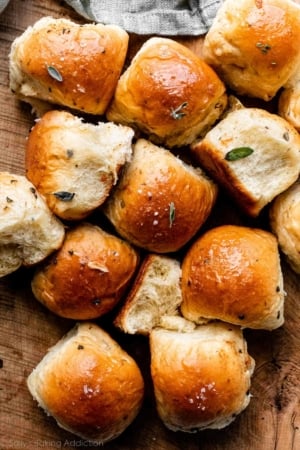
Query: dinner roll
(285, 223)
(233, 273)
(168, 93)
(75, 164)
(177, 322)
(88, 384)
(160, 202)
(156, 293)
(62, 62)
(253, 154)
(253, 45)
(201, 378)
(29, 231)
(87, 276)
(289, 102)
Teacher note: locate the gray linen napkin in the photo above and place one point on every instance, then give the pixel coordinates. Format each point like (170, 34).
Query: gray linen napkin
(162, 17)
(3, 4)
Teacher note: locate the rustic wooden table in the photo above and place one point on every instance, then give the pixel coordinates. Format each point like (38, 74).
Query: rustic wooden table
(27, 330)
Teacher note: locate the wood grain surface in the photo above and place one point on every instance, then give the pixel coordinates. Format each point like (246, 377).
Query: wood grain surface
(272, 420)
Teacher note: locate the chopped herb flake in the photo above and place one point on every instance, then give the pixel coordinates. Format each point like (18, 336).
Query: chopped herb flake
(238, 153)
(264, 48)
(64, 196)
(171, 214)
(177, 113)
(286, 136)
(54, 73)
(33, 190)
(96, 301)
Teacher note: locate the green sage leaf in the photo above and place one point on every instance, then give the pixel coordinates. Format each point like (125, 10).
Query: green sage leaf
(171, 213)
(54, 73)
(238, 153)
(64, 195)
(178, 113)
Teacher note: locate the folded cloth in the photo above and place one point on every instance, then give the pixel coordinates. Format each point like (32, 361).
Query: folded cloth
(161, 17)
(3, 4)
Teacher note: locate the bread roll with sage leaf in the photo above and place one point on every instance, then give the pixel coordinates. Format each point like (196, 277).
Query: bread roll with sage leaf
(75, 164)
(87, 276)
(160, 202)
(168, 93)
(253, 154)
(66, 63)
(253, 45)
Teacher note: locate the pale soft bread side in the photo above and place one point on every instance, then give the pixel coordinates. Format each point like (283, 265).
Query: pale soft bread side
(87, 276)
(255, 180)
(253, 45)
(168, 93)
(75, 164)
(65, 63)
(156, 293)
(151, 205)
(285, 224)
(29, 231)
(88, 384)
(201, 378)
(233, 273)
(289, 102)
(177, 323)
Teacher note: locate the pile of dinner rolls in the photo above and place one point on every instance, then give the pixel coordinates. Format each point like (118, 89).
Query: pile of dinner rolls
(145, 147)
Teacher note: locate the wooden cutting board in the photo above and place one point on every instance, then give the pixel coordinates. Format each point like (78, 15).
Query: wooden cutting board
(27, 330)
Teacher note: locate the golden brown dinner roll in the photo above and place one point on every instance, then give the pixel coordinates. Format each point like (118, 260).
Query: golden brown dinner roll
(62, 62)
(87, 276)
(160, 202)
(285, 223)
(89, 384)
(233, 273)
(29, 231)
(168, 93)
(254, 154)
(156, 292)
(253, 45)
(75, 164)
(201, 378)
